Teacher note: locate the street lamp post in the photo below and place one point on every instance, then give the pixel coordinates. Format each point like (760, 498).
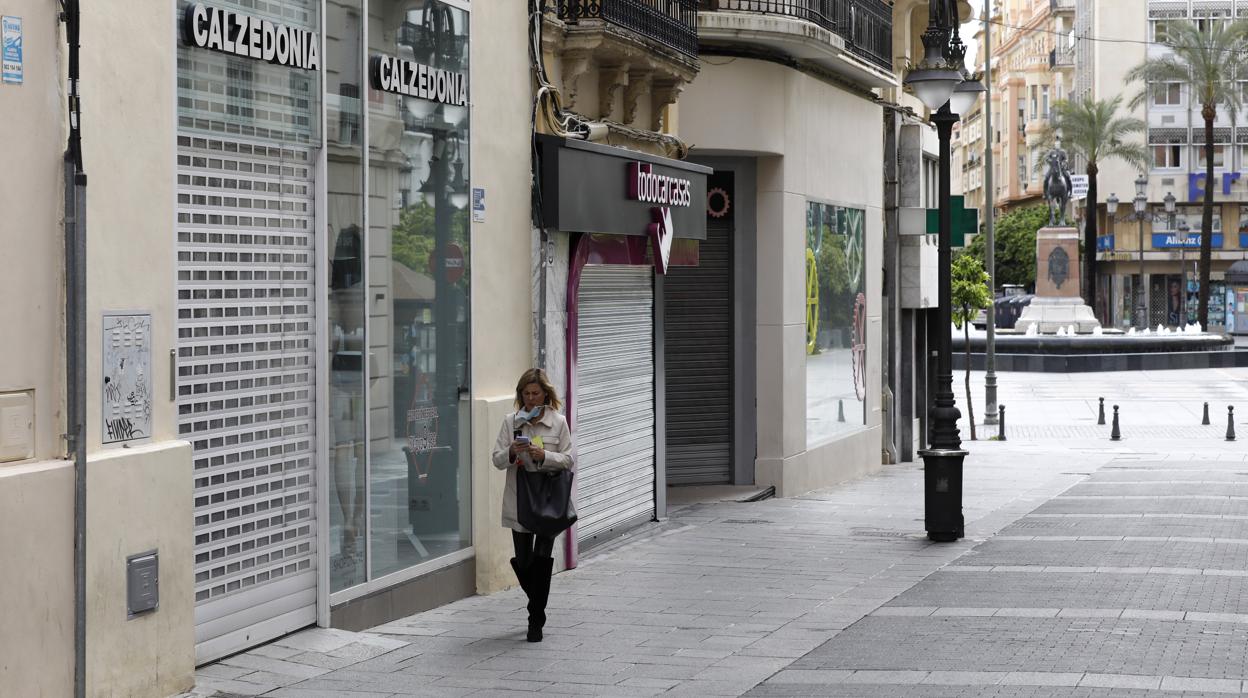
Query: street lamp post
(1170, 208)
(990, 347)
(936, 82)
(1141, 204)
(1183, 228)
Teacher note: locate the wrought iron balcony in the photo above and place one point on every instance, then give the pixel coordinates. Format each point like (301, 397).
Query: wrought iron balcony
(1061, 58)
(865, 25)
(669, 23)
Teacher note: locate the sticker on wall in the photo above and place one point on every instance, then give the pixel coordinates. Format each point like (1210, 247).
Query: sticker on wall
(478, 204)
(11, 51)
(127, 388)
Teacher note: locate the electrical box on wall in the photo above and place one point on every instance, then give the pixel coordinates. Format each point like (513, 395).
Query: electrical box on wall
(142, 583)
(17, 425)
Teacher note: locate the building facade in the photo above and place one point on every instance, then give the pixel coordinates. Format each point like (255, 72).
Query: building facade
(1167, 253)
(1033, 58)
(807, 226)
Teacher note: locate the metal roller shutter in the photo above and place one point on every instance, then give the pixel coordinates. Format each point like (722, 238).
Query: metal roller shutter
(614, 400)
(246, 367)
(697, 329)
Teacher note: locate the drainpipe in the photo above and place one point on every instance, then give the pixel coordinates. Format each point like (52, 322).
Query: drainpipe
(892, 300)
(75, 339)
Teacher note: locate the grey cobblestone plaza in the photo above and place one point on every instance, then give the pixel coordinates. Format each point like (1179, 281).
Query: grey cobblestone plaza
(1090, 568)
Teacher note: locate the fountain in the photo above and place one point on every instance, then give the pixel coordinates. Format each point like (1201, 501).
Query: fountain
(1058, 332)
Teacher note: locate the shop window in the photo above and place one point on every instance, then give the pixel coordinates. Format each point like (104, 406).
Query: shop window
(419, 480)
(836, 321)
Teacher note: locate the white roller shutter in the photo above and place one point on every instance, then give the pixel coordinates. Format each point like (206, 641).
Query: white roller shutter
(614, 400)
(246, 342)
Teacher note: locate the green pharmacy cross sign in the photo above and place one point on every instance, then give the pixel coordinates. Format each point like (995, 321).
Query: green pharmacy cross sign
(965, 221)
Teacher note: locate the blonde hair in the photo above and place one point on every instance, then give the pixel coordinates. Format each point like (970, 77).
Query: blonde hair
(537, 375)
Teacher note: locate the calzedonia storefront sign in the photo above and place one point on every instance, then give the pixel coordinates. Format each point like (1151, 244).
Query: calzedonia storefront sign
(243, 35)
(592, 188)
(418, 80)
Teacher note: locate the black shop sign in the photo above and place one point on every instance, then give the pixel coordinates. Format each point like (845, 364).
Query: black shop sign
(592, 188)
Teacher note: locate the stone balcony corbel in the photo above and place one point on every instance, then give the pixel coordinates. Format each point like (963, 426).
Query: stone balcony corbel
(574, 64)
(611, 79)
(639, 82)
(662, 94)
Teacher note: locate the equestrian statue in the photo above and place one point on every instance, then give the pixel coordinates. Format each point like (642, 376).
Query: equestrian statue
(1057, 187)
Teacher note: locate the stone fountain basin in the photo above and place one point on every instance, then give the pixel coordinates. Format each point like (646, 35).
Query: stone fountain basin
(1111, 351)
(1116, 343)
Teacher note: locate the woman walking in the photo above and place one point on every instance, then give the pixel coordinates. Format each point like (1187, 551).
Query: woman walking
(534, 437)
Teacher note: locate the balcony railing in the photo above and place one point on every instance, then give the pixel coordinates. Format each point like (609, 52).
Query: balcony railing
(865, 25)
(1061, 58)
(1060, 5)
(669, 23)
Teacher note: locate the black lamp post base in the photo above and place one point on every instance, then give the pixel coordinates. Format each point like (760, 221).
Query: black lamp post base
(942, 494)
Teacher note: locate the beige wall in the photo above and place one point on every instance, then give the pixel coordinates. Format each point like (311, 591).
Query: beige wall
(816, 141)
(32, 141)
(138, 498)
(1128, 20)
(37, 576)
(501, 280)
(128, 145)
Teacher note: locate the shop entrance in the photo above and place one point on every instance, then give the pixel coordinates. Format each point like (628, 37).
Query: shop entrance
(246, 343)
(614, 401)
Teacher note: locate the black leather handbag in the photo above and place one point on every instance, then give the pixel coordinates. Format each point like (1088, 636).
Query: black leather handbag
(544, 501)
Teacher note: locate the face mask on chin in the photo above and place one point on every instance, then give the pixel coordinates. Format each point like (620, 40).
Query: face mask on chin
(523, 416)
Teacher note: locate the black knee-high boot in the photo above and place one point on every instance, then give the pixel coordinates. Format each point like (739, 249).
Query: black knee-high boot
(522, 575)
(540, 570)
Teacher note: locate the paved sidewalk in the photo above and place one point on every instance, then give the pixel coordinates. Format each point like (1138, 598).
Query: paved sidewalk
(1118, 584)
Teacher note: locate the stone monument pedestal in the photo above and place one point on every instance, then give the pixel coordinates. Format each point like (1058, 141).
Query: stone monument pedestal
(1057, 303)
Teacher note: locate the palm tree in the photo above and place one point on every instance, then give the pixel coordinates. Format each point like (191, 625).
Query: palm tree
(1207, 61)
(1093, 130)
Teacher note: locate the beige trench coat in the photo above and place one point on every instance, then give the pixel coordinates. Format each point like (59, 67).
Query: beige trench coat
(557, 442)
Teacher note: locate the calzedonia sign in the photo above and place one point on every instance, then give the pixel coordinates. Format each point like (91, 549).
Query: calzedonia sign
(418, 80)
(243, 35)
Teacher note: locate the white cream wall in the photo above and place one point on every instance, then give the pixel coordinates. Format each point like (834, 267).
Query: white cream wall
(501, 281)
(1128, 20)
(138, 498)
(36, 496)
(30, 233)
(815, 141)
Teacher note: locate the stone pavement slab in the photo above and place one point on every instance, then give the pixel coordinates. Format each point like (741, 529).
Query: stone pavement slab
(1129, 585)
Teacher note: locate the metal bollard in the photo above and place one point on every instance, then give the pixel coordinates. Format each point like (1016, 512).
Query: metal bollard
(840, 410)
(1230, 422)
(1000, 422)
(1205, 420)
(1115, 434)
(1100, 412)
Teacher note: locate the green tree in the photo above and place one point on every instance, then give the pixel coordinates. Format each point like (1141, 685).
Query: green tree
(1092, 129)
(834, 283)
(968, 295)
(412, 240)
(1208, 61)
(1015, 245)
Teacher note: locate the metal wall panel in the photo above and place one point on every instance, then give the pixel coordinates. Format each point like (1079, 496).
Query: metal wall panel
(699, 368)
(614, 400)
